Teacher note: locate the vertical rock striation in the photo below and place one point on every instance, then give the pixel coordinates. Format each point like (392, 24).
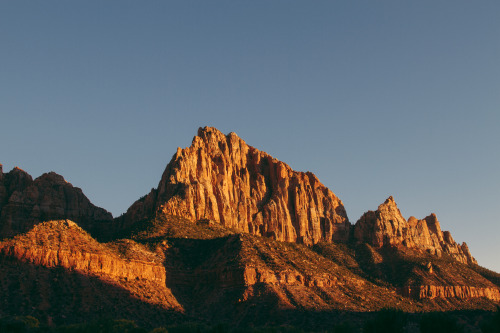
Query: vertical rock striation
(221, 178)
(386, 226)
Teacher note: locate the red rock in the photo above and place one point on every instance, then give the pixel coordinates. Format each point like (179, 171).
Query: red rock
(381, 227)
(386, 226)
(24, 203)
(443, 292)
(72, 248)
(221, 178)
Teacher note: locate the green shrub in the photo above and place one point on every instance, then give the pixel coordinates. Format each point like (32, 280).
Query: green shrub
(387, 321)
(105, 325)
(493, 324)
(343, 328)
(439, 322)
(19, 324)
(188, 328)
(159, 330)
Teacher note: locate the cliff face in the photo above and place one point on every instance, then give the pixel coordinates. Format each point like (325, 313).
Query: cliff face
(87, 263)
(443, 292)
(24, 203)
(221, 178)
(58, 270)
(64, 244)
(220, 276)
(386, 226)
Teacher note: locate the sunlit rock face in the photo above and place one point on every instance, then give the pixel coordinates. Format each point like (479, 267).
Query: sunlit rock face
(221, 178)
(386, 226)
(25, 202)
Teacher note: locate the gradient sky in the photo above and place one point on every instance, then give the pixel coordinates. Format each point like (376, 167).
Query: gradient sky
(377, 98)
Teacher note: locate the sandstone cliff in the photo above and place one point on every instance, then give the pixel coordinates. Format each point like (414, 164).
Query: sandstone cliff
(63, 243)
(25, 202)
(124, 276)
(221, 178)
(217, 275)
(443, 292)
(386, 226)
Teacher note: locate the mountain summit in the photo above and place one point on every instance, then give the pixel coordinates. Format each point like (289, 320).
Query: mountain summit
(25, 202)
(230, 234)
(221, 178)
(386, 226)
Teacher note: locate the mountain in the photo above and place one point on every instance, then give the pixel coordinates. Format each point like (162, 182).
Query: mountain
(230, 234)
(173, 270)
(60, 274)
(25, 202)
(221, 178)
(386, 226)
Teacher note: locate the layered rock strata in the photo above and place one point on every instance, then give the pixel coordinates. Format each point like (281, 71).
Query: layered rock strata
(88, 263)
(386, 226)
(81, 253)
(462, 292)
(221, 178)
(25, 202)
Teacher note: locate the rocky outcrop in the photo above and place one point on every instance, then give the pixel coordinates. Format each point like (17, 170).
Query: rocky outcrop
(16, 180)
(386, 226)
(58, 266)
(221, 178)
(64, 244)
(88, 263)
(381, 227)
(25, 202)
(463, 292)
(254, 275)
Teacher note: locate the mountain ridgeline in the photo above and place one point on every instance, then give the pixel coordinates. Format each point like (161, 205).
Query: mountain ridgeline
(25, 202)
(221, 178)
(230, 233)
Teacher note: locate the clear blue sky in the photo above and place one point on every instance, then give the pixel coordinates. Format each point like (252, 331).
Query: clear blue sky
(377, 98)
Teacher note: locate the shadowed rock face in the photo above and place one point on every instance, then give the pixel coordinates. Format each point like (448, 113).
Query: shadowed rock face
(24, 202)
(386, 226)
(221, 178)
(57, 266)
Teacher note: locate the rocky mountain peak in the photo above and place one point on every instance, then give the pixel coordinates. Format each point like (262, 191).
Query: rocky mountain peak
(53, 178)
(221, 178)
(389, 209)
(390, 200)
(207, 133)
(387, 227)
(15, 179)
(381, 227)
(25, 202)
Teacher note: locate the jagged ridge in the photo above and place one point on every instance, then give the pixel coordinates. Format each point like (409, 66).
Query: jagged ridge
(24, 202)
(223, 179)
(386, 226)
